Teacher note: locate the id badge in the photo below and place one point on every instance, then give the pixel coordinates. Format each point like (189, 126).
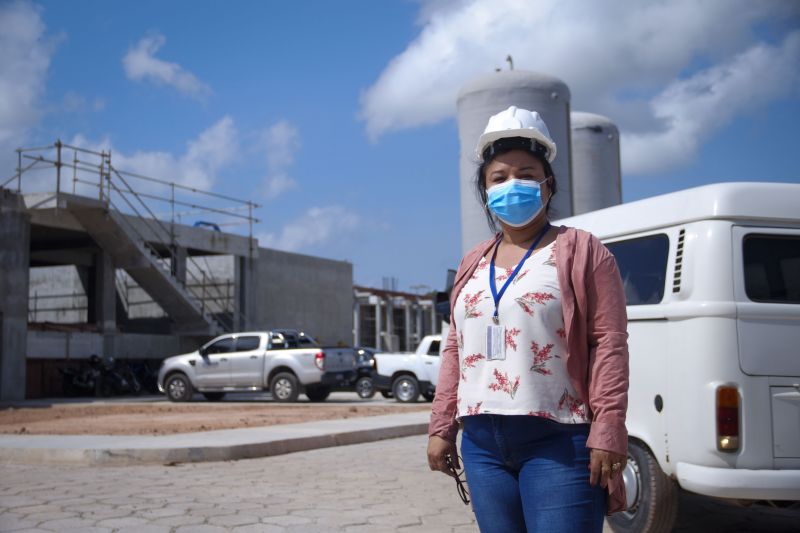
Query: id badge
(495, 343)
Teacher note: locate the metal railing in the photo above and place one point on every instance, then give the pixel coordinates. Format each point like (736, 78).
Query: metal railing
(93, 171)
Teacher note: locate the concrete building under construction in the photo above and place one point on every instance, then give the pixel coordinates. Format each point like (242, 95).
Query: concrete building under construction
(96, 260)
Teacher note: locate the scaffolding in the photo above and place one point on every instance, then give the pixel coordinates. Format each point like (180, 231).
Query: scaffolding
(160, 205)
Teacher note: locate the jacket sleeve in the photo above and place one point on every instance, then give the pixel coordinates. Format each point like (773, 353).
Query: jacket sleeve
(444, 409)
(608, 354)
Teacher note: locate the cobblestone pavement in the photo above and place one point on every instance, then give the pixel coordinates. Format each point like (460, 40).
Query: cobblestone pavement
(375, 487)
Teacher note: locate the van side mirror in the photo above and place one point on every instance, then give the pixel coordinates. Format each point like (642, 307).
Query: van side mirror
(203, 351)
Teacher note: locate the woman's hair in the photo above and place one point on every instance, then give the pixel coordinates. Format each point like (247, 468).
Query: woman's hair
(502, 146)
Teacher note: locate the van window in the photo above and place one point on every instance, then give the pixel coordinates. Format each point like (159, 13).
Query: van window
(772, 268)
(642, 264)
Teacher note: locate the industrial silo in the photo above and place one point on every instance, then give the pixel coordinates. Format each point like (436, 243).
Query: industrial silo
(483, 97)
(596, 180)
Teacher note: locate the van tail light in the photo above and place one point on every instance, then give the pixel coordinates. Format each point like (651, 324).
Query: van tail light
(319, 360)
(727, 419)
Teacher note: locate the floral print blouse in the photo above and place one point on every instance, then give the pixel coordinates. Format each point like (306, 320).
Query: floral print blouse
(532, 378)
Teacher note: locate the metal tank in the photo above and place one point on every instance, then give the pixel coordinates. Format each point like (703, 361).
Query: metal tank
(482, 97)
(596, 176)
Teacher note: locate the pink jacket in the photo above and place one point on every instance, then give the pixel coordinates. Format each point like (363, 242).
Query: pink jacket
(593, 303)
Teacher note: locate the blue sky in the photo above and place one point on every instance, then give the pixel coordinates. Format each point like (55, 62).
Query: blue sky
(338, 117)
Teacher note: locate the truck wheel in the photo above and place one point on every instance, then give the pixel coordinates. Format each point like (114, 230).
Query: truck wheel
(179, 388)
(318, 394)
(652, 496)
(214, 396)
(284, 387)
(365, 388)
(406, 389)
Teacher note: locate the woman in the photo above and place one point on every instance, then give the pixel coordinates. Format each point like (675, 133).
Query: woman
(535, 367)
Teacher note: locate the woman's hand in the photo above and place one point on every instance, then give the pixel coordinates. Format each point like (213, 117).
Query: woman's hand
(604, 466)
(438, 449)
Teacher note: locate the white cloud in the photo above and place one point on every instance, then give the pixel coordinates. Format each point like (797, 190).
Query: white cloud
(616, 56)
(692, 109)
(141, 64)
(197, 167)
(281, 143)
(73, 102)
(25, 55)
(315, 226)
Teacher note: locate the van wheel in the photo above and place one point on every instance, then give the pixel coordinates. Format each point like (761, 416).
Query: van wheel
(652, 496)
(284, 387)
(406, 389)
(179, 388)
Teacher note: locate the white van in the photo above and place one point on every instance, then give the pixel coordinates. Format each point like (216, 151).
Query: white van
(712, 281)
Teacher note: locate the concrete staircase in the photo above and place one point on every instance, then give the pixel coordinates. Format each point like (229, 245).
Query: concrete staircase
(119, 237)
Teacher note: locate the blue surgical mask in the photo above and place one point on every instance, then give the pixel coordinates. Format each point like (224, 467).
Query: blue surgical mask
(515, 202)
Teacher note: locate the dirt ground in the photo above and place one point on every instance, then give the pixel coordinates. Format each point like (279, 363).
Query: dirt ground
(165, 418)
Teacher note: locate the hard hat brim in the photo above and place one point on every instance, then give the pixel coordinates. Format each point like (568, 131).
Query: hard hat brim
(488, 138)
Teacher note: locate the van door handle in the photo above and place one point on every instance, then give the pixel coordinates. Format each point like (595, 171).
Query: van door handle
(253, 357)
(224, 359)
(428, 362)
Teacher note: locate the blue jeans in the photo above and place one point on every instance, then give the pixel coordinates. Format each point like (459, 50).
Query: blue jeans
(527, 473)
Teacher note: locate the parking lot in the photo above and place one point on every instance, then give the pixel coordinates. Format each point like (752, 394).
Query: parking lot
(375, 487)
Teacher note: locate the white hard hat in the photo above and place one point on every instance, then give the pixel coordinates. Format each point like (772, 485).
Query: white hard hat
(515, 122)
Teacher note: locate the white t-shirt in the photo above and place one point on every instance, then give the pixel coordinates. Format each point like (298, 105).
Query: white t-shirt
(531, 379)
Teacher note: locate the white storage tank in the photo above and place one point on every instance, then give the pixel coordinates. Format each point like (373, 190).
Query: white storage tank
(485, 96)
(596, 176)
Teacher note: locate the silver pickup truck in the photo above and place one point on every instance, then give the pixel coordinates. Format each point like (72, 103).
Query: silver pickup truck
(284, 362)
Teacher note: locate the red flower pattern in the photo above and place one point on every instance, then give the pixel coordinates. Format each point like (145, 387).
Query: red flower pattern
(519, 277)
(474, 410)
(503, 277)
(527, 300)
(502, 383)
(551, 261)
(510, 334)
(541, 357)
(481, 266)
(471, 302)
(568, 406)
(576, 407)
(543, 414)
(469, 362)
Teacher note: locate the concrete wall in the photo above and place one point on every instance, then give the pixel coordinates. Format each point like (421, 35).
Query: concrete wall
(80, 345)
(57, 294)
(307, 293)
(15, 230)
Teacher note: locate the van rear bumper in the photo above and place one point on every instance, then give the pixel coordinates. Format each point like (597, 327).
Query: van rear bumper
(740, 483)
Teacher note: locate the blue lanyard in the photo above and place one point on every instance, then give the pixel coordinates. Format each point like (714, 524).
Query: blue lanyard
(493, 284)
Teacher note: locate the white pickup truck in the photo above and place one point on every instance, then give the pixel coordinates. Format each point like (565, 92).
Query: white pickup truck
(407, 375)
(281, 361)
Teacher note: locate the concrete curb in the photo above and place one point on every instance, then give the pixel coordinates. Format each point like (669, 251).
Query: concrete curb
(224, 445)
